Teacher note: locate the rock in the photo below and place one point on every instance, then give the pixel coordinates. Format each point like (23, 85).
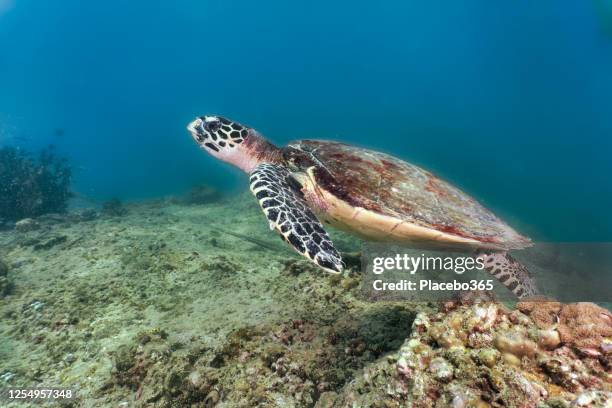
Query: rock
(88, 214)
(549, 339)
(69, 359)
(114, 208)
(202, 194)
(7, 376)
(6, 284)
(441, 369)
(26, 225)
(212, 398)
(585, 326)
(516, 343)
(51, 242)
(593, 399)
(489, 356)
(326, 400)
(439, 364)
(544, 314)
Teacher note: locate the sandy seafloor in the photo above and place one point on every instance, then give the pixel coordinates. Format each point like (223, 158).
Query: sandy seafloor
(164, 272)
(162, 307)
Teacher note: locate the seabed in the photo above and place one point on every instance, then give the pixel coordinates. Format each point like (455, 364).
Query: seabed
(166, 304)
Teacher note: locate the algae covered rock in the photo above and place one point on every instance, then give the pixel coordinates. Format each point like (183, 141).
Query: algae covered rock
(584, 326)
(6, 284)
(299, 363)
(114, 208)
(26, 225)
(481, 354)
(202, 194)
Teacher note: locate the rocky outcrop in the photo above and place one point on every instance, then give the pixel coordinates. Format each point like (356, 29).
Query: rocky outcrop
(482, 354)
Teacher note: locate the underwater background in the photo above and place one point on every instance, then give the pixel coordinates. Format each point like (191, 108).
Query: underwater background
(138, 271)
(511, 102)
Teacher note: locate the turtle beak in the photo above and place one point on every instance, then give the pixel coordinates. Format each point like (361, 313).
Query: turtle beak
(194, 128)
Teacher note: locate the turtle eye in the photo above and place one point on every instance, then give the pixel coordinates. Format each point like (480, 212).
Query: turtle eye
(212, 126)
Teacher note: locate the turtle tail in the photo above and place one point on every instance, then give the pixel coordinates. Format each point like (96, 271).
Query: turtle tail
(511, 273)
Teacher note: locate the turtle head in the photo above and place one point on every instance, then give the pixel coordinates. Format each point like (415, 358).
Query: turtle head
(229, 141)
(217, 135)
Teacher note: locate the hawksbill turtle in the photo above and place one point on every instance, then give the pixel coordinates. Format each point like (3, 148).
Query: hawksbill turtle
(373, 195)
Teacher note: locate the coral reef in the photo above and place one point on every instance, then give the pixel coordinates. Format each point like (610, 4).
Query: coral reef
(585, 327)
(31, 187)
(481, 354)
(544, 314)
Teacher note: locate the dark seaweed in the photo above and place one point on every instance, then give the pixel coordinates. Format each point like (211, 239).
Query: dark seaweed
(29, 186)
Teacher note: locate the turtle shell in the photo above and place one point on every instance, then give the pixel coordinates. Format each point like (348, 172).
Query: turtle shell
(395, 190)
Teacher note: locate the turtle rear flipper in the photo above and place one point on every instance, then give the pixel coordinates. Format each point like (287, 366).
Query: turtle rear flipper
(510, 272)
(283, 204)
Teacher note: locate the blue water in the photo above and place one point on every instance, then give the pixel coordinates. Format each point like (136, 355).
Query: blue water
(512, 102)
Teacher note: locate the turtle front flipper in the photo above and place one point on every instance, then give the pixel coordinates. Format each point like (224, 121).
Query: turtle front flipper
(283, 204)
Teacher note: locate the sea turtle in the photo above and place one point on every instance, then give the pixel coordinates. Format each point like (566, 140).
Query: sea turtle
(368, 193)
